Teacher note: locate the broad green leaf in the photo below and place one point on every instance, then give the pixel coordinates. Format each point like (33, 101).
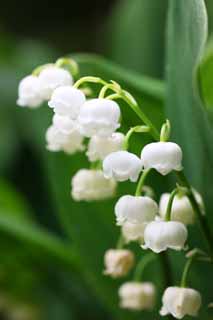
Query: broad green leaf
(205, 79)
(187, 32)
(186, 37)
(136, 35)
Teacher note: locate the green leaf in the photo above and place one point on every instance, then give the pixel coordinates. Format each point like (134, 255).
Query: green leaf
(136, 35)
(205, 79)
(187, 32)
(186, 37)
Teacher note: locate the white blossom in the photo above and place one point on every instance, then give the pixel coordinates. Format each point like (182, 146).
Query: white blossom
(67, 101)
(99, 117)
(100, 147)
(118, 262)
(64, 124)
(122, 165)
(162, 156)
(160, 235)
(180, 302)
(135, 209)
(53, 77)
(59, 141)
(29, 92)
(133, 231)
(181, 208)
(90, 185)
(137, 296)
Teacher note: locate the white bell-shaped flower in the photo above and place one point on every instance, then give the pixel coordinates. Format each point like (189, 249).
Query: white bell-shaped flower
(137, 296)
(122, 165)
(29, 92)
(162, 156)
(99, 117)
(133, 231)
(64, 123)
(90, 185)
(161, 235)
(67, 101)
(180, 302)
(59, 141)
(181, 208)
(100, 147)
(135, 209)
(118, 262)
(53, 77)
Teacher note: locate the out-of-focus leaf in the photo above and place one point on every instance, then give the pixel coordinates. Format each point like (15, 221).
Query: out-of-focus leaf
(13, 203)
(205, 76)
(187, 32)
(136, 35)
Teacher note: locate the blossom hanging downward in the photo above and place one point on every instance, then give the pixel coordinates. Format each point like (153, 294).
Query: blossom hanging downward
(122, 165)
(118, 262)
(135, 209)
(182, 210)
(137, 296)
(180, 302)
(90, 185)
(29, 92)
(133, 231)
(99, 117)
(67, 101)
(160, 235)
(100, 147)
(162, 156)
(57, 140)
(53, 77)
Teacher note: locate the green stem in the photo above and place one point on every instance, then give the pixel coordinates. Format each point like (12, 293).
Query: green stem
(185, 272)
(144, 261)
(89, 79)
(70, 63)
(141, 182)
(133, 104)
(169, 206)
(121, 242)
(136, 129)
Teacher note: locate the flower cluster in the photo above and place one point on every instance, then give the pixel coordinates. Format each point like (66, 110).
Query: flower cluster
(90, 125)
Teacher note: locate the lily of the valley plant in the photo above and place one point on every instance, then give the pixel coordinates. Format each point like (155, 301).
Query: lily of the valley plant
(92, 126)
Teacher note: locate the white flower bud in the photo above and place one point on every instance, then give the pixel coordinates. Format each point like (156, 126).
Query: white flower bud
(67, 101)
(64, 124)
(29, 92)
(181, 208)
(133, 232)
(99, 117)
(137, 296)
(135, 209)
(160, 235)
(162, 156)
(100, 147)
(118, 262)
(51, 78)
(180, 302)
(90, 185)
(122, 165)
(59, 141)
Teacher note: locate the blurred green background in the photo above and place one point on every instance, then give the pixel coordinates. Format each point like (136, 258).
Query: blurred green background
(52, 248)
